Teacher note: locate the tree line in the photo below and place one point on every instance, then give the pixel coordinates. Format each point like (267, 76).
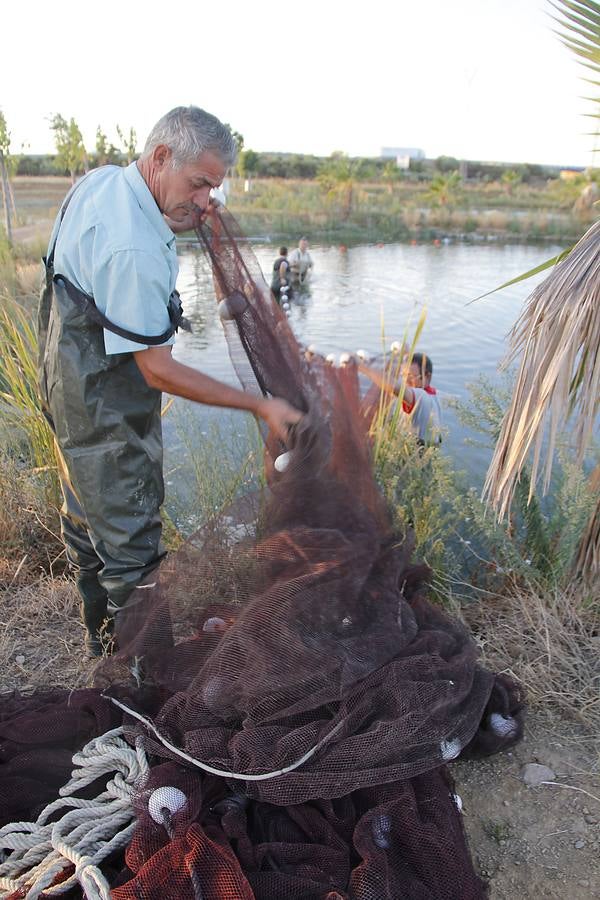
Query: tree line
(252, 164)
(73, 158)
(337, 173)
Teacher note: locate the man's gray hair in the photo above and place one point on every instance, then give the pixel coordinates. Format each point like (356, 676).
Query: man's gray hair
(189, 131)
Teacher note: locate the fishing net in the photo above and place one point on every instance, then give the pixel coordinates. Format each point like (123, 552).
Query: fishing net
(295, 693)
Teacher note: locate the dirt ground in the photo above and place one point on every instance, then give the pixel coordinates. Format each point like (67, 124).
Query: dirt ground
(528, 842)
(38, 199)
(534, 842)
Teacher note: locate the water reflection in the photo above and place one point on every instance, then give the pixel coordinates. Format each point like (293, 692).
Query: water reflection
(301, 300)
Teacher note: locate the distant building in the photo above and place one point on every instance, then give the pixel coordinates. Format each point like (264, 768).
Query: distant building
(402, 155)
(570, 174)
(412, 152)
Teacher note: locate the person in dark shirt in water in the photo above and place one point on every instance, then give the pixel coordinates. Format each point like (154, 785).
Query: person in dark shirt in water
(281, 281)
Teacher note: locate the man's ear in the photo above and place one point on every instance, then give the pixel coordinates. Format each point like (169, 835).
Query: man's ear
(161, 156)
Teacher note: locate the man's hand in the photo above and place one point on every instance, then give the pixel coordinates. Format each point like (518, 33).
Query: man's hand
(279, 415)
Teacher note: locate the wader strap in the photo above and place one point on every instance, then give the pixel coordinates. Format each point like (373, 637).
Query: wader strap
(87, 304)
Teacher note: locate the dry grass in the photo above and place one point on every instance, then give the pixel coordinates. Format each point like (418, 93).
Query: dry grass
(550, 642)
(29, 527)
(42, 638)
(28, 279)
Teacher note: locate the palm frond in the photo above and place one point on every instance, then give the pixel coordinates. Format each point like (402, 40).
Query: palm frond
(580, 31)
(525, 275)
(586, 14)
(558, 338)
(579, 22)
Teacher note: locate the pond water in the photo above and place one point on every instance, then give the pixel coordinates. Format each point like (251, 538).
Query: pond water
(353, 292)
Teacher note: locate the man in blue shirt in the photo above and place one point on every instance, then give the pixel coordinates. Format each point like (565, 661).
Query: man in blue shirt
(107, 317)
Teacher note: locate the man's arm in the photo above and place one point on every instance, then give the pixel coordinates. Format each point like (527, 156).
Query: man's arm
(162, 372)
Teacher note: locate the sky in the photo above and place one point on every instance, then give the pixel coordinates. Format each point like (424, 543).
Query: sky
(475, 79)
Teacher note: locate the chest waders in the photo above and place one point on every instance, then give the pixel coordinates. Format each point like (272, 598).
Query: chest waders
(107, 424)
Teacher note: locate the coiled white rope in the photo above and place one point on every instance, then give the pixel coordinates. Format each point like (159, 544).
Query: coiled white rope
(87, 833)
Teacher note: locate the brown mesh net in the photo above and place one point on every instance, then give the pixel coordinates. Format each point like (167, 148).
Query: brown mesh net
(296, 688)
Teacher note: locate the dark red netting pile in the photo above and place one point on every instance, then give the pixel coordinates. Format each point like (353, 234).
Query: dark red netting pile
(307, 662)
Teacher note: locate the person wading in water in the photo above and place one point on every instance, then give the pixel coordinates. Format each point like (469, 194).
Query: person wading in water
(301, 262)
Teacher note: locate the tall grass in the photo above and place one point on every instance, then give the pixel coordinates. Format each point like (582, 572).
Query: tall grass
(19, 394)
(8, 267)
(29, 492)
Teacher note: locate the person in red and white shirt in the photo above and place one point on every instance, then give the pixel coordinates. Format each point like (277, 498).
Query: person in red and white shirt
(419, 398)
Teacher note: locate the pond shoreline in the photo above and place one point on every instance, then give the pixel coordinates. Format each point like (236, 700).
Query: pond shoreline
(281, 210)
(352, 239)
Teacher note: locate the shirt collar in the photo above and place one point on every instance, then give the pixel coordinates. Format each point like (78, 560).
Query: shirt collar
(147, 203)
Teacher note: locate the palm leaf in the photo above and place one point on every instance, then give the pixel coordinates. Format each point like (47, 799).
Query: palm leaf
(535, 271)
(558, 338)
(585, 14)
(579, 22)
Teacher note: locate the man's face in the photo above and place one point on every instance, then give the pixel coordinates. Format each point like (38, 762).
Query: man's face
(185, 190)
(303, 245)
(414, 376)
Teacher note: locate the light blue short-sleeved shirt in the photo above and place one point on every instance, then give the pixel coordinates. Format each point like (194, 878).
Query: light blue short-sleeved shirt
(115, 245)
